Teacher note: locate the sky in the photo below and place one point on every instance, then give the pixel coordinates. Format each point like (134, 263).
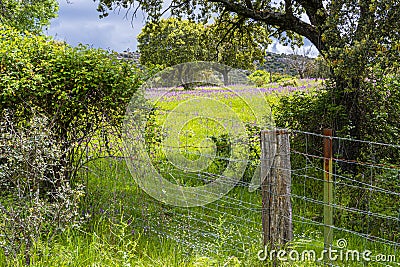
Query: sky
(79, 22)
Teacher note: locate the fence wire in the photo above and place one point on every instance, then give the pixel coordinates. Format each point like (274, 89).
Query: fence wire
(366, 200)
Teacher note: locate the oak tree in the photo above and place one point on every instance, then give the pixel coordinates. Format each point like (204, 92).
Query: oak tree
(170, 42)
(359, 39)
(173, 41)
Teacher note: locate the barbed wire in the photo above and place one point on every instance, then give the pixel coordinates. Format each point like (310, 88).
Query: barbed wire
(196, 228)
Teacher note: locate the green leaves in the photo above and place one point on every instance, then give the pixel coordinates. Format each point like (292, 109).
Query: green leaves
(173, 41)
(74, 87)
(170, 42)
(28, 15)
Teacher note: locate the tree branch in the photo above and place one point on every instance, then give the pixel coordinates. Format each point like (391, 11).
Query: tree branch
(286, 22)
(288, 7)
(315, 11)
(365, 15)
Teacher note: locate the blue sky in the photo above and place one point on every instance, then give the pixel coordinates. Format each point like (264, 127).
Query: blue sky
(78, 22)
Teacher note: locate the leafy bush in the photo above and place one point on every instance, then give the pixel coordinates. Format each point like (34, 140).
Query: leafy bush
(260, 77)
(253, 132)
(263, 78)
(81, 90)
(223, 153)
(308, 111)
(316, 110)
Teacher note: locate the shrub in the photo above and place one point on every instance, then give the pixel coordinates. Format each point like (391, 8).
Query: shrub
(260, 77)
(81, 90)
(36, 198)
(316, 110)
(288, 82)
(263, 78)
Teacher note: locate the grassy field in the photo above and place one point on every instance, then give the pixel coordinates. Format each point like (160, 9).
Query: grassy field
(126, 227)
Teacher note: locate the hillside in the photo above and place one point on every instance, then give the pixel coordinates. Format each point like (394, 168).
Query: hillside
(283, 63)
(275, 63)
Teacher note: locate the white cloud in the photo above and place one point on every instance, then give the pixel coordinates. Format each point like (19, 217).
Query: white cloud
(79, 23)
(278, 48)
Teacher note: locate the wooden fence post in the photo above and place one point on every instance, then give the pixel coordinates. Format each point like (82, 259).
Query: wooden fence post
(275, 188)
(328, 191)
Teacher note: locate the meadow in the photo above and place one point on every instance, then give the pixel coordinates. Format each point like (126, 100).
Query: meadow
(124, 226)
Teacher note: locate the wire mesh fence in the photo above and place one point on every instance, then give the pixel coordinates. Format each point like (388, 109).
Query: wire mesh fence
(188, 171)
(365, 204)
(366, 191)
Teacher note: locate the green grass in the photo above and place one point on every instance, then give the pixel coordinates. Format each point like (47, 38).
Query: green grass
(119, 231)
(126, 227)
(122, 234)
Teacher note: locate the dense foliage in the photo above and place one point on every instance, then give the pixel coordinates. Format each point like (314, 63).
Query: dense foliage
(172, 41)
(28, 15)
(78, 89)
(359, 39)
(315, 111)
(263, 78)
(55, 100)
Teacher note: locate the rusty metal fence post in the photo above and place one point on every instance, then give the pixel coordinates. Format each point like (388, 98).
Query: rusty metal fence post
(328, 191)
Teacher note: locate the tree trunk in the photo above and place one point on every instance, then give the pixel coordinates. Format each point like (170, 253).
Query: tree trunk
(226, 77)
(301, 74)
